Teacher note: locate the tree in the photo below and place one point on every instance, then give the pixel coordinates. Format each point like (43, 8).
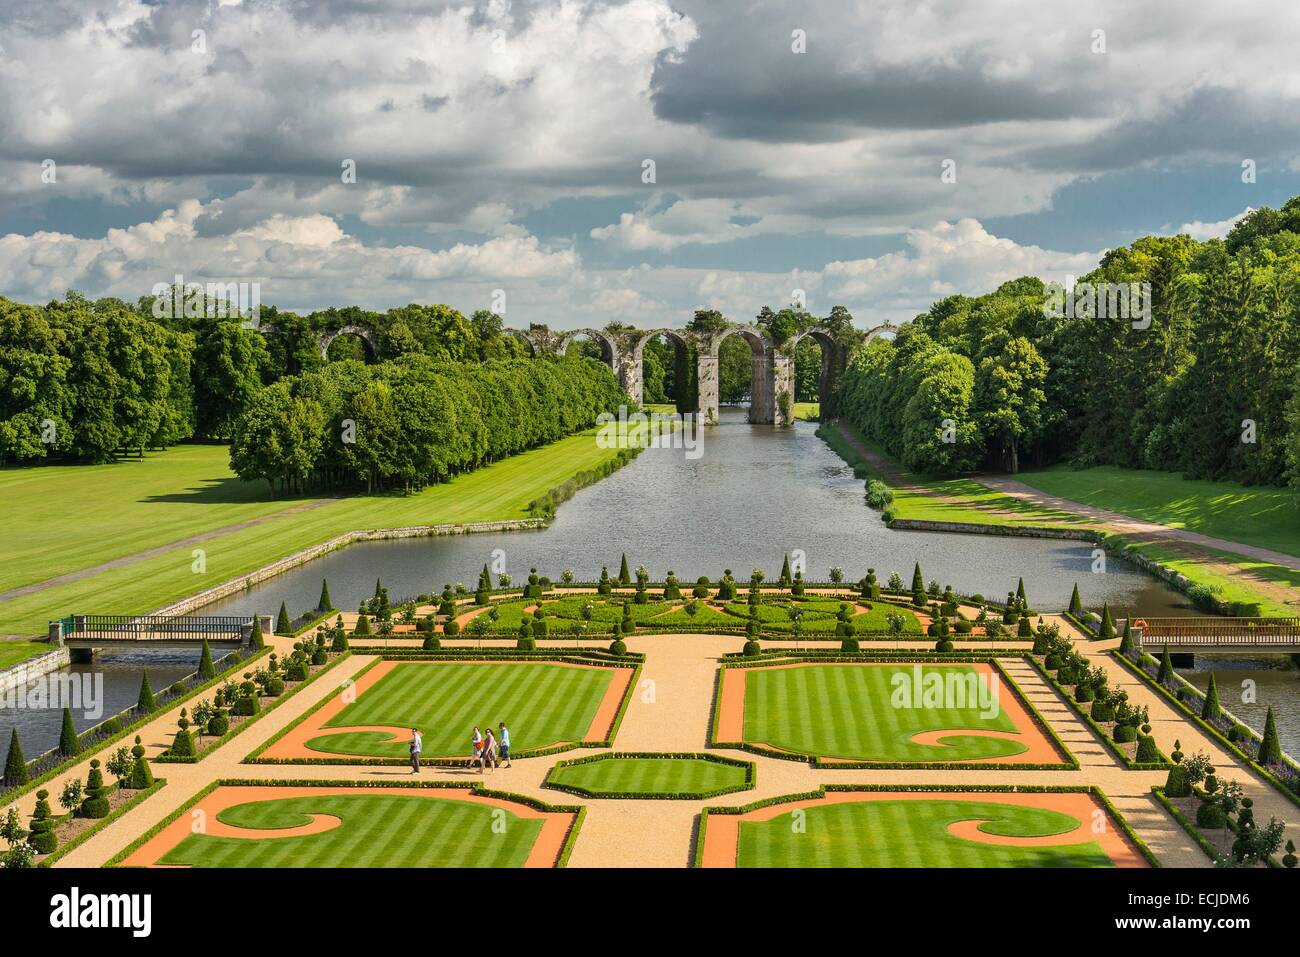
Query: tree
(141, 776)
(145, 703)
(228, 365)
(1211, 709)
(42, 837)
(1270, 747)
(69, 742)
(283, 626)
(918, 586)
(785, 579)
(15, 762)
(1009, 400)
(624, 576)
(1076, 605)
(326, 603)
(207, 670)
(1107, 622)
(1166, 672)
(256, 640)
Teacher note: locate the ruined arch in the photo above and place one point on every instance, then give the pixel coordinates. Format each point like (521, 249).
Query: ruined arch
(887, 327)
(367, 337)
(608, 348)
(834, 358)
(634, 371)
(760, 376)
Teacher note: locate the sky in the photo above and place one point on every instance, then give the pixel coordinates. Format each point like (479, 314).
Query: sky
(573, 162)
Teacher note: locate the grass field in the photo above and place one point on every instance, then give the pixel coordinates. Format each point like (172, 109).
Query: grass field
(973, 503)
(893, 833)
(376, 830)
(665, 775)
(187, 490)
(542, 704)
(1263, 516)
(846, 711)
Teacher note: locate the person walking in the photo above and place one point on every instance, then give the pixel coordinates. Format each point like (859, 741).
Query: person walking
(490, 749)
(417, 745)
(478, 749)
(503, 743)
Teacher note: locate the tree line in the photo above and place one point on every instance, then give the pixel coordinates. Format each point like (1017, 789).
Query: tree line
(413, 421)
(85, 381)
(1203, 382)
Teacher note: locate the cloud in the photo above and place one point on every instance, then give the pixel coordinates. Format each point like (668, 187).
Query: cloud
(467, 119)
(1203, 231)
(310, 262)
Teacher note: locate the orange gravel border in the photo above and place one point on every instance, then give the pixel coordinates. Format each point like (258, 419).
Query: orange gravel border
(1041, 750)
(294, 743)
(545, 851)
(722, 835)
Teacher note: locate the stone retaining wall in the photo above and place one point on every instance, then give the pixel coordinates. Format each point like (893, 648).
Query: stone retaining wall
(1018, 531)
(187, 605)
(18, 675)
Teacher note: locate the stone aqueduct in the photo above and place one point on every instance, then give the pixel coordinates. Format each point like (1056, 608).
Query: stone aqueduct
(772, 369)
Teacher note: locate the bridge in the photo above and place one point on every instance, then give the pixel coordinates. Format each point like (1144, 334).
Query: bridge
(86, 634)
(1218, 635)
(772, 363)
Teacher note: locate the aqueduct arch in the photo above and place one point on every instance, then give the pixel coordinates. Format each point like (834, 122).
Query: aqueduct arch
(366, 336)
(760, 398)
(771, 370)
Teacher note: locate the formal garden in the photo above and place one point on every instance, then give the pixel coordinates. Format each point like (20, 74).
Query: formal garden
(816, 678)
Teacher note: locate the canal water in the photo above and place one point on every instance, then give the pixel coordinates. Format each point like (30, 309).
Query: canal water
(105, 687)
(752, 495)
(1249, 687)
(744, 498)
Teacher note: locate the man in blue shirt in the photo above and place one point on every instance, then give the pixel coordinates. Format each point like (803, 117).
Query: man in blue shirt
(503, 743)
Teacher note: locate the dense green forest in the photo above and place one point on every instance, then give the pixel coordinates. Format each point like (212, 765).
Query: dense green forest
(1206, 385)
(413, 421)
(84, 380)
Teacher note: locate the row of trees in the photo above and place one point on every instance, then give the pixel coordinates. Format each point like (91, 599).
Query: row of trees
(412, 421)
(1206, 387)
(86, 381)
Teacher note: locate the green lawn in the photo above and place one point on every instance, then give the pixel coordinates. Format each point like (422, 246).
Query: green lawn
(893, 833)
(1263, 516)
(977, 503)
(807, 410)
(194, 491)
(648, 776)
(847, 711)
(1249, 601)
(12, 652)
(541, 703)
(377, 830)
